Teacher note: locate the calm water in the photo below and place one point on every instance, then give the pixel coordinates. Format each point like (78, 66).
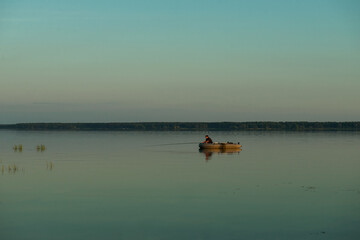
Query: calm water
(129, 185)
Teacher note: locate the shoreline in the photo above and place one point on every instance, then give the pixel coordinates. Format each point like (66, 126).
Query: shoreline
(189, 126)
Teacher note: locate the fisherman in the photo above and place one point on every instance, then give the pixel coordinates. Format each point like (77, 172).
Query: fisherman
(207, 139)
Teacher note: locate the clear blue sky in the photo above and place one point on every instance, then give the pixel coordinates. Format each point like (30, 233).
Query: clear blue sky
(169, 60)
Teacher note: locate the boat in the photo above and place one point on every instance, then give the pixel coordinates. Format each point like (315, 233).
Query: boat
(220, 150)
(220, 145)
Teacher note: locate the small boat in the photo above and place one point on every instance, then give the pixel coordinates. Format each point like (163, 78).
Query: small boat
(220, 150)
(219, 145)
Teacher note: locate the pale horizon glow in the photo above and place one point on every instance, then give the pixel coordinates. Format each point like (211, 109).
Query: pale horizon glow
(138, 61)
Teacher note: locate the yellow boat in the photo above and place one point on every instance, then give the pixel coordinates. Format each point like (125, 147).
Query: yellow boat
(220, 145)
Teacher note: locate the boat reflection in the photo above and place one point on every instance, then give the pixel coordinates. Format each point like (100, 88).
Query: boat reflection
(209, 152)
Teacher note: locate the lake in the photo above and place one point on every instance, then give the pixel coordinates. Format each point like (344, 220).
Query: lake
(157, 185)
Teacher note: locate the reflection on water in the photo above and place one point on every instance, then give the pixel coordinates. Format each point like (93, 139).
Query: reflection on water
(49, 165)
(18, 148)
(40, 148)
(10, 169)
(209, 152)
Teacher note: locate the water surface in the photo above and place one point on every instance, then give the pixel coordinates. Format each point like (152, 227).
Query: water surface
(130, 185)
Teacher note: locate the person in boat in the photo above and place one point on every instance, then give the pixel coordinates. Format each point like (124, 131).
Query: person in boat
(207, 139)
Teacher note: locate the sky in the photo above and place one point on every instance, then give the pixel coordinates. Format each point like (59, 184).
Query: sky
(170, 60)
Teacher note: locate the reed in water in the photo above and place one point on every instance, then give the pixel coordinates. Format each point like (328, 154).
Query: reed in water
(40, 148)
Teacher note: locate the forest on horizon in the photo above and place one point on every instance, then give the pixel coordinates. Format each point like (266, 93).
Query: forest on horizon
(189, 126)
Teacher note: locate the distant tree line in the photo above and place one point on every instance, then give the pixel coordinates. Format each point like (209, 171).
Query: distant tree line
(191, 126)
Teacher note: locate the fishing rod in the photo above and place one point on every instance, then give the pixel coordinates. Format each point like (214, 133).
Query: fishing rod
(167, 144)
